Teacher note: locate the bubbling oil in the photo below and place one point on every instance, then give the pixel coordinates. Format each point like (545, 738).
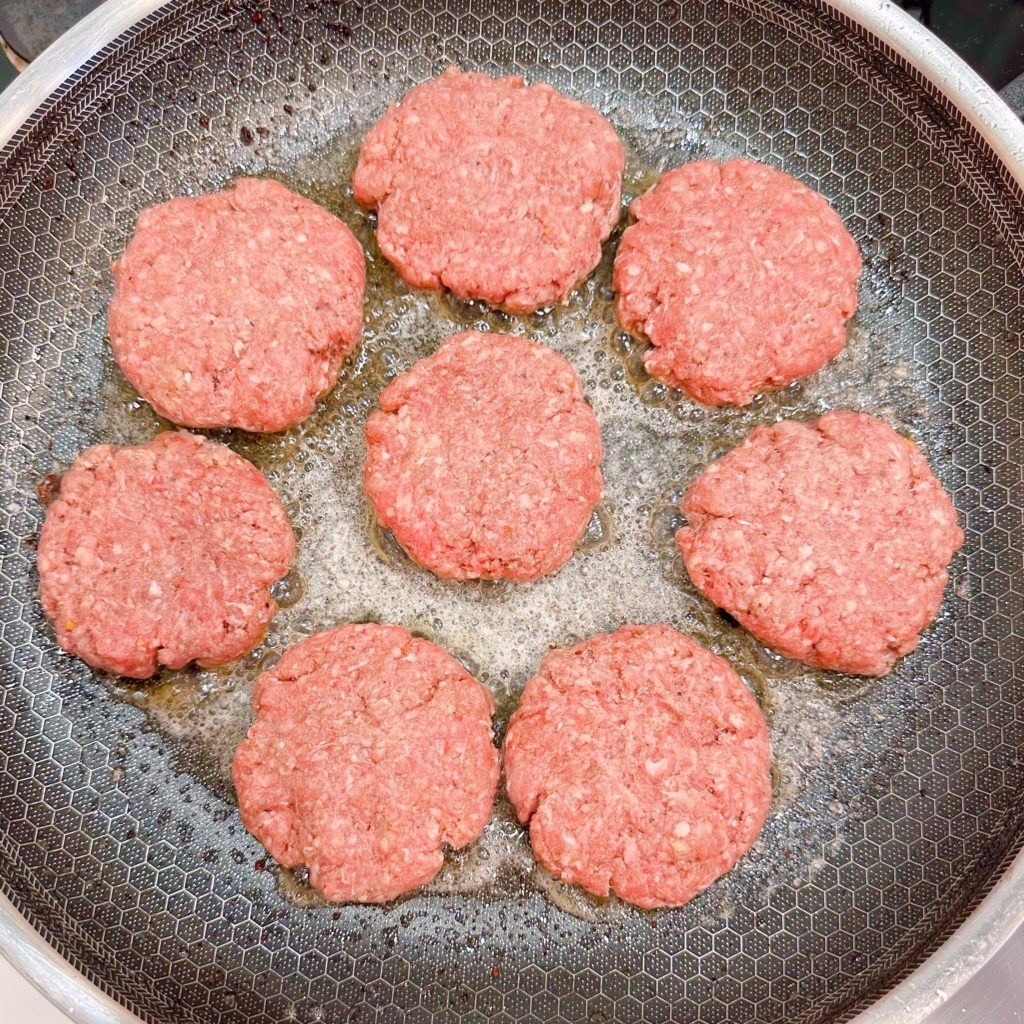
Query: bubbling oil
(627, 568)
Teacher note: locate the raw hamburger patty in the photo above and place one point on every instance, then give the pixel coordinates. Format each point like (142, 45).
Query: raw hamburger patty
(641, 763)
(484, 459)
(371, 750)
(491, 188)
(162, 554)
(237, 309)
(828, 540)
(741, 278)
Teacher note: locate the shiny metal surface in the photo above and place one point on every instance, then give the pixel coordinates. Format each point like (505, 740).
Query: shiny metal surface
(995, 995)
(938, 986)
(54, 977)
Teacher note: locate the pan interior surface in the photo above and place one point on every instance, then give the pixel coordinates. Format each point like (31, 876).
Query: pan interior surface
(897, 801)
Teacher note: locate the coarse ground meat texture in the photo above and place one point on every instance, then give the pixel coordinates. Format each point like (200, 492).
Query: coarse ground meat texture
(484, 460)
(641, 763)
(828, 540)
(237, 309)
(370, 752)
(491, 188)
(162, 554)
(740, 277)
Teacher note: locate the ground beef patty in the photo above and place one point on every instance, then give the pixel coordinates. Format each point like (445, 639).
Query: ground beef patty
(237, 309)
(741, 278)
(491, 188)
(641, 763)
(162, 554)
(484, 459)
(371, 750)
(828, 540)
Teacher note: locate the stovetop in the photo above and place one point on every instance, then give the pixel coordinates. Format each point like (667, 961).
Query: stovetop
(988, 34)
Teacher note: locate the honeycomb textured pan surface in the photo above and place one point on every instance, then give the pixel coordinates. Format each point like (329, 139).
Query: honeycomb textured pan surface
(895, 805)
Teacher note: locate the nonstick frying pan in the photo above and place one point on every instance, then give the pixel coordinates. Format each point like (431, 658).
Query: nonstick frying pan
(898, 812)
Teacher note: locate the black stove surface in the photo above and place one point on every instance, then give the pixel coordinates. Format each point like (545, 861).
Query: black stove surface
(988, 34)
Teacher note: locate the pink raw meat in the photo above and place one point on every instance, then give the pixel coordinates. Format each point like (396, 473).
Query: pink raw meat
(740, 277)
(828, 540)
(491, 188)
(371, 751)
(237, 309)
(162, 554)
(641, 763)
(484, 459)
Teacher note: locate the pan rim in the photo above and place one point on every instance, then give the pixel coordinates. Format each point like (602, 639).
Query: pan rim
(1000, 913)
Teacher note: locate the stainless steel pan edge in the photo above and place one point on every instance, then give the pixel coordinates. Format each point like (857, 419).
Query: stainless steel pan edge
(999, 914)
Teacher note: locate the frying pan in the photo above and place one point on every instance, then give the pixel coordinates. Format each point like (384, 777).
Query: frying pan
(889, 868)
